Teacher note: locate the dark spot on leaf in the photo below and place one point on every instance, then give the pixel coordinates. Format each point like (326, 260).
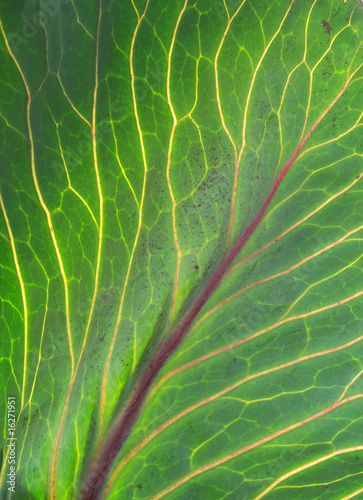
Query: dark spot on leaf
(327, 26)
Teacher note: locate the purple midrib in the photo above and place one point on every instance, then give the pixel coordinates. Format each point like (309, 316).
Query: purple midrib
(121, 430)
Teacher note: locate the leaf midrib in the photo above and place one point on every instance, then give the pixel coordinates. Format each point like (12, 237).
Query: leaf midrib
(125, 422)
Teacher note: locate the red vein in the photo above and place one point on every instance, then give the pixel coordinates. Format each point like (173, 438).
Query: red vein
(124, 423)
(222, 393)
(277, 275)
(261, 332)
(308, 466)
(250, 447)
(105, 376)
(244, 142)
(297, 224)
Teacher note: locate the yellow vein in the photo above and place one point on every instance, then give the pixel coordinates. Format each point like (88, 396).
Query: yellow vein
(313, 70)
(297, 224)
(348, 266)
(23, 295)
(282, 273)
(196, 74)
(71, 103)
(7, 239)
(29, 402)
(306, 29)
(99, 187)
(357, 492)
(259, 333)
(40, 197)
(203, 149)
(244, 126)
(310, 73)
(308, 466)
(237, 453)
(175, 122)
(79, 22)
(117, 155)
(104, 384)
(230, 20)
(67, 173)
(13, 128)
(43, 328)
(279, 115)
(219, 395)
(225, 6)
(46, 54)
(337, 138)
(309, 177)
(100, 234)
(137, 12)
(351, 383)
(297, 156)
(254, 76)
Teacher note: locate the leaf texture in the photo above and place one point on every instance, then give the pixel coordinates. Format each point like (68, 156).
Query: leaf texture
(181, 248)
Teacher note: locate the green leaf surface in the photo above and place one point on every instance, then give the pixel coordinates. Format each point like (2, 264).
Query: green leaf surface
(181, 241)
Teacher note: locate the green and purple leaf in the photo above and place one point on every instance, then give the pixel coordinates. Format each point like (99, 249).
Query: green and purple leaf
(181, 253)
